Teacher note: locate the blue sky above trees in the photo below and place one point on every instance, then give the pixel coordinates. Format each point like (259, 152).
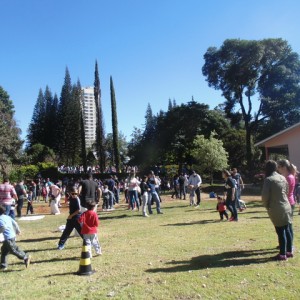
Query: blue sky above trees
(152, 49)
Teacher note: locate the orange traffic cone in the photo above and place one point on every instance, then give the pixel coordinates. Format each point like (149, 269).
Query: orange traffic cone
(85, 267)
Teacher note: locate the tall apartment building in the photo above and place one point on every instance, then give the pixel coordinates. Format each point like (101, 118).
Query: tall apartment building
(89, 116)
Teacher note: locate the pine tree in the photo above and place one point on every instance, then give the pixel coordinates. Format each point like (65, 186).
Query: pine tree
(115, 126)
(36, 133)
(10, 142)
(100, 133)
(74, 135)
(48, 125)
(54, 116)
(64, 118)
(170, 105)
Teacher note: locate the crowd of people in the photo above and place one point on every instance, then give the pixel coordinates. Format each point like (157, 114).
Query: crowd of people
(281, 190)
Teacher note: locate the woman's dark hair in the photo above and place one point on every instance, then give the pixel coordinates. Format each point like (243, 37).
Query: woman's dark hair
(271, 166)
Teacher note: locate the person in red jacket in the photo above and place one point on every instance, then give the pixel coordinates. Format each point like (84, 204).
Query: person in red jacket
(89, 228)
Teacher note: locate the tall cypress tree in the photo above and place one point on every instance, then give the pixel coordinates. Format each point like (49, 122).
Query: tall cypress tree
(100, 133)
(36, 133)
(82, 133)
(114, 120)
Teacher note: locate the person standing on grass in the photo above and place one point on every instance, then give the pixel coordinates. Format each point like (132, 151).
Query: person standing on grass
(289, 171)
(10, 228)
(7, 195)
(55, 192)
(229, 194)
(239, 186)
(144, 192)
(72, 220)
(152, 193)
(89, 190)
(89, 227)
(29, 203)
(22, 194)
(275, 200)
(194, 184)
(133, 184)
(181, 181)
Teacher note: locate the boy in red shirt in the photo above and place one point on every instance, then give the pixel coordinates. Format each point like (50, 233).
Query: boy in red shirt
(89, 227)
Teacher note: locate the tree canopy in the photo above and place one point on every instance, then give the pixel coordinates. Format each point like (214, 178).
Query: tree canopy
(267, 71)
(10, 141)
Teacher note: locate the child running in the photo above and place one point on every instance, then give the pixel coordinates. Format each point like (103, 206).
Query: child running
(72, 220)
(10, 228)
(221, 208)
(89, 228)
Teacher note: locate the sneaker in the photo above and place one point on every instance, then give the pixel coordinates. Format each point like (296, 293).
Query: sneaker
(2, 268)
(289, 254)
(145, 215)
(197, 206)
(280, 257)
(27, 261)
(60, 247)
(231, 219)
(160, 213)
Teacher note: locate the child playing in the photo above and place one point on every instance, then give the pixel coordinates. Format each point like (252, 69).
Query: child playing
(221, 208)
(29, 203)
(10, 228)
(108, 199)
(72, 220)
(89, 222)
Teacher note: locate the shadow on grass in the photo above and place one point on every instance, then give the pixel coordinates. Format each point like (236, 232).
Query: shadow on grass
(55, 259)
(118, 217)
(40, 239)
(60, 274)
(193, 223)
(221, 260)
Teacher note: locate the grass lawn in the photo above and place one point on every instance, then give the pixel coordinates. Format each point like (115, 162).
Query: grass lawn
(186, 253)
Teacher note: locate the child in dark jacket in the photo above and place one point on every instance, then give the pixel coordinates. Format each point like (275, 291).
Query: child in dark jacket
(221, 208)
(89, 228)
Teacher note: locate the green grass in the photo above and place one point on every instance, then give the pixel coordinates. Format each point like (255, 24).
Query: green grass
(184, 254)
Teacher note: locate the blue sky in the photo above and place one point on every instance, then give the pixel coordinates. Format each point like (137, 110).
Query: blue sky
(153, 49)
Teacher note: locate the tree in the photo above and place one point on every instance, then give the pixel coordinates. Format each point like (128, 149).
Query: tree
(115, 132)
(64, 117)
(100, 133)
(10, 142)
(40, 153)
(123, 148)
(70, 122)
(36, 133)
(209, 154)
(267, 70)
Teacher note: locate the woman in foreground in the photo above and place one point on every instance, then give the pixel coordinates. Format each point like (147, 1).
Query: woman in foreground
(274, 197)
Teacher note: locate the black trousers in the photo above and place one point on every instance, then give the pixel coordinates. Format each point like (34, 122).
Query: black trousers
(10, 247)
(70, 225)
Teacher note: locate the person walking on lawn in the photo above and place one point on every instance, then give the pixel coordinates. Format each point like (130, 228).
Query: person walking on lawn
(72, 220)
(10, 228)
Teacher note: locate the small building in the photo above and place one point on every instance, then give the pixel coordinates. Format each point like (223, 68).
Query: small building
(286, 142)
